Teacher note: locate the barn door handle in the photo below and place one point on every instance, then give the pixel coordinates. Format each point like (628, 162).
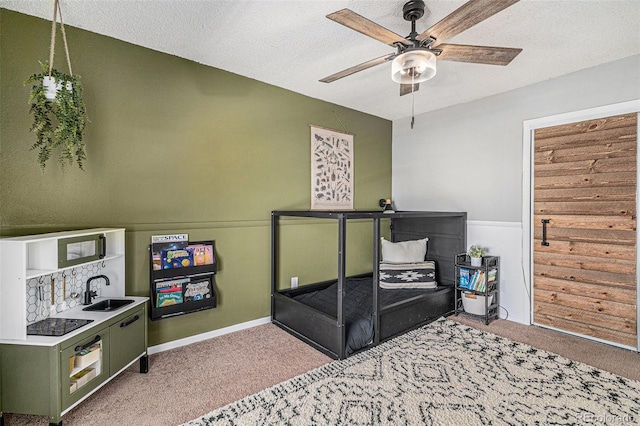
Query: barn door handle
(544, 232)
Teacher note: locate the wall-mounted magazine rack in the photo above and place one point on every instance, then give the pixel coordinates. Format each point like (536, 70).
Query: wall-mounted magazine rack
(182, 278)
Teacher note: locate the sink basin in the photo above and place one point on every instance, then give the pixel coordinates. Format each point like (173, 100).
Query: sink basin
(108, 305)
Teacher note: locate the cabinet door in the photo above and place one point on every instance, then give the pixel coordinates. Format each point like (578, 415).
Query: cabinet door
(29, 379)
(127, 341)
(84, 365)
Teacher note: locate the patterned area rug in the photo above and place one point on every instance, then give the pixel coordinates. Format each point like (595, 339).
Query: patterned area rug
(444, 373)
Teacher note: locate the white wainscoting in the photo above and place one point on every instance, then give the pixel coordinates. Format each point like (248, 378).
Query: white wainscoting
(504, 239)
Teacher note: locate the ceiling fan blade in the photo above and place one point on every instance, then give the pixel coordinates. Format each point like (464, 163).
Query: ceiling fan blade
(359, 23)
(360, 67)
(478, 54)
(405, 89)
(463, 18)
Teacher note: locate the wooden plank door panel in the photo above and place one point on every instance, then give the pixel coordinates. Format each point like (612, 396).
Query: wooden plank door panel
(585, 185)
(603, 150)
(583, 275)
(618, 266)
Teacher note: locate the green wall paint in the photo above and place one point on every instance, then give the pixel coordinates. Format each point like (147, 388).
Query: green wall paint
(177, 147)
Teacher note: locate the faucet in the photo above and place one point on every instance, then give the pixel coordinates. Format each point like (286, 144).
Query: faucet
(88, 294)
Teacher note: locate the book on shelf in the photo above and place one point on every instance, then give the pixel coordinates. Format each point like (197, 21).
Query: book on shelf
(464, 278)
(161, 244)
(175, 251)
(169, 292)
(477, 281)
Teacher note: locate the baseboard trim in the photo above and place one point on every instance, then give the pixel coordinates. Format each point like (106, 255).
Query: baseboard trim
(205, 336)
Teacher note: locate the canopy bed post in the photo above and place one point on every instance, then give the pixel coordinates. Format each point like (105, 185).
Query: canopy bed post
(274, 260)
(376, 280)
(342, 251)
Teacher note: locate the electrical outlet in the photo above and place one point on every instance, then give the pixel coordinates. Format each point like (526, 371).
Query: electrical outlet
(294, 282)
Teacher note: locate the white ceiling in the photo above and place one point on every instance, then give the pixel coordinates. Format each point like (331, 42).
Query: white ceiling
(290, 43)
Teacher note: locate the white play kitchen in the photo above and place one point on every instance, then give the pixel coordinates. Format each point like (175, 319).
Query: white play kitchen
(66, 326)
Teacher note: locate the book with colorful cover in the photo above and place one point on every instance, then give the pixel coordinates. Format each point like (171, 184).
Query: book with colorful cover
(197, 290)
(464, 278)
(478, 281)
(170, 292)
(164, 243)
(179, 258)
(202, 254)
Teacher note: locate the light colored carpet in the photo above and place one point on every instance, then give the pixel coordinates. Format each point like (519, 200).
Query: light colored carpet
(623, 362)
(187, 382)
(445, 373)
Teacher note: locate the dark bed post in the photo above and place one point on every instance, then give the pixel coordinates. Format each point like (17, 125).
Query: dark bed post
(274, 259)
(342, 246)
(376, 280)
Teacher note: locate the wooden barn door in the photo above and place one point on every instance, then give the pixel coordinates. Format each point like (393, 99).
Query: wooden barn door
(584, 271)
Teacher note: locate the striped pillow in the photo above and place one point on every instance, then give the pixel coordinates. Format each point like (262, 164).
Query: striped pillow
(408, 275)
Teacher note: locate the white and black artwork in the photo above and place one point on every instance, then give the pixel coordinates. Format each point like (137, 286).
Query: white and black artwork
(331, 169)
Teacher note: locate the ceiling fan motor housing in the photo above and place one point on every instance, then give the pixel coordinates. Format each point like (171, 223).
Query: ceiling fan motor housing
(416, 63)
(413, 10)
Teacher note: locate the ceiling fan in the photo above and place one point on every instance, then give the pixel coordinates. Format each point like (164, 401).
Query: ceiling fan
(415, 58)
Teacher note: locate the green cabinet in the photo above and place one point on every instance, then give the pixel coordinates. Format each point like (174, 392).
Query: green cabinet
(47, 374)
(29, 382)
(50, 380)
(78, 379)
(125, 341)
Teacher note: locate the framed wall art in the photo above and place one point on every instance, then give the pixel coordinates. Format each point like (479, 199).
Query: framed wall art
(331, 169)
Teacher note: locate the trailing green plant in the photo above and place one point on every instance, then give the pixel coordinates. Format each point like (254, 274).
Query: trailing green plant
(59, 123)
(476, 251)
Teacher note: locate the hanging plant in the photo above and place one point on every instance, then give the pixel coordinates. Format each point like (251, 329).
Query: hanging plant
(59, 113)
(59, 116)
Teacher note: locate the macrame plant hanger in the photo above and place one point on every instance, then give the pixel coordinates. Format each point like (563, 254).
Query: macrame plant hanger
(57, 10)
(59, 112)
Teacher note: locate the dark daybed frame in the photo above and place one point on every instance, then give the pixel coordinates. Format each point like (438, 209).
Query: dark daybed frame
(447, 237)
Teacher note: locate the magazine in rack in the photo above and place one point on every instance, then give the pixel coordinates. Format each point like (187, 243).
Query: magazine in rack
(182, 276)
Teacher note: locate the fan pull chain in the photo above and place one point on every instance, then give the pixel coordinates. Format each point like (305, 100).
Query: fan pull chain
(413, 103)
(413, 107)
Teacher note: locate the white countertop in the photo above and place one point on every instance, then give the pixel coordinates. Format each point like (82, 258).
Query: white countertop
(77, 313)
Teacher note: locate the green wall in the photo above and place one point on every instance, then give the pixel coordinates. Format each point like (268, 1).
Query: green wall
(177, 147)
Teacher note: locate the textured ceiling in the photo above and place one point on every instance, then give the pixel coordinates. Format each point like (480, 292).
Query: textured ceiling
(292, 45)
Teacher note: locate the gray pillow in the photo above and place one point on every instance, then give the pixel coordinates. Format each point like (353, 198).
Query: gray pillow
(405, 251)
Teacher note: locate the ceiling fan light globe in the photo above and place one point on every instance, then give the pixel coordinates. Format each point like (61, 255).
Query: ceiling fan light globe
(414, 66)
